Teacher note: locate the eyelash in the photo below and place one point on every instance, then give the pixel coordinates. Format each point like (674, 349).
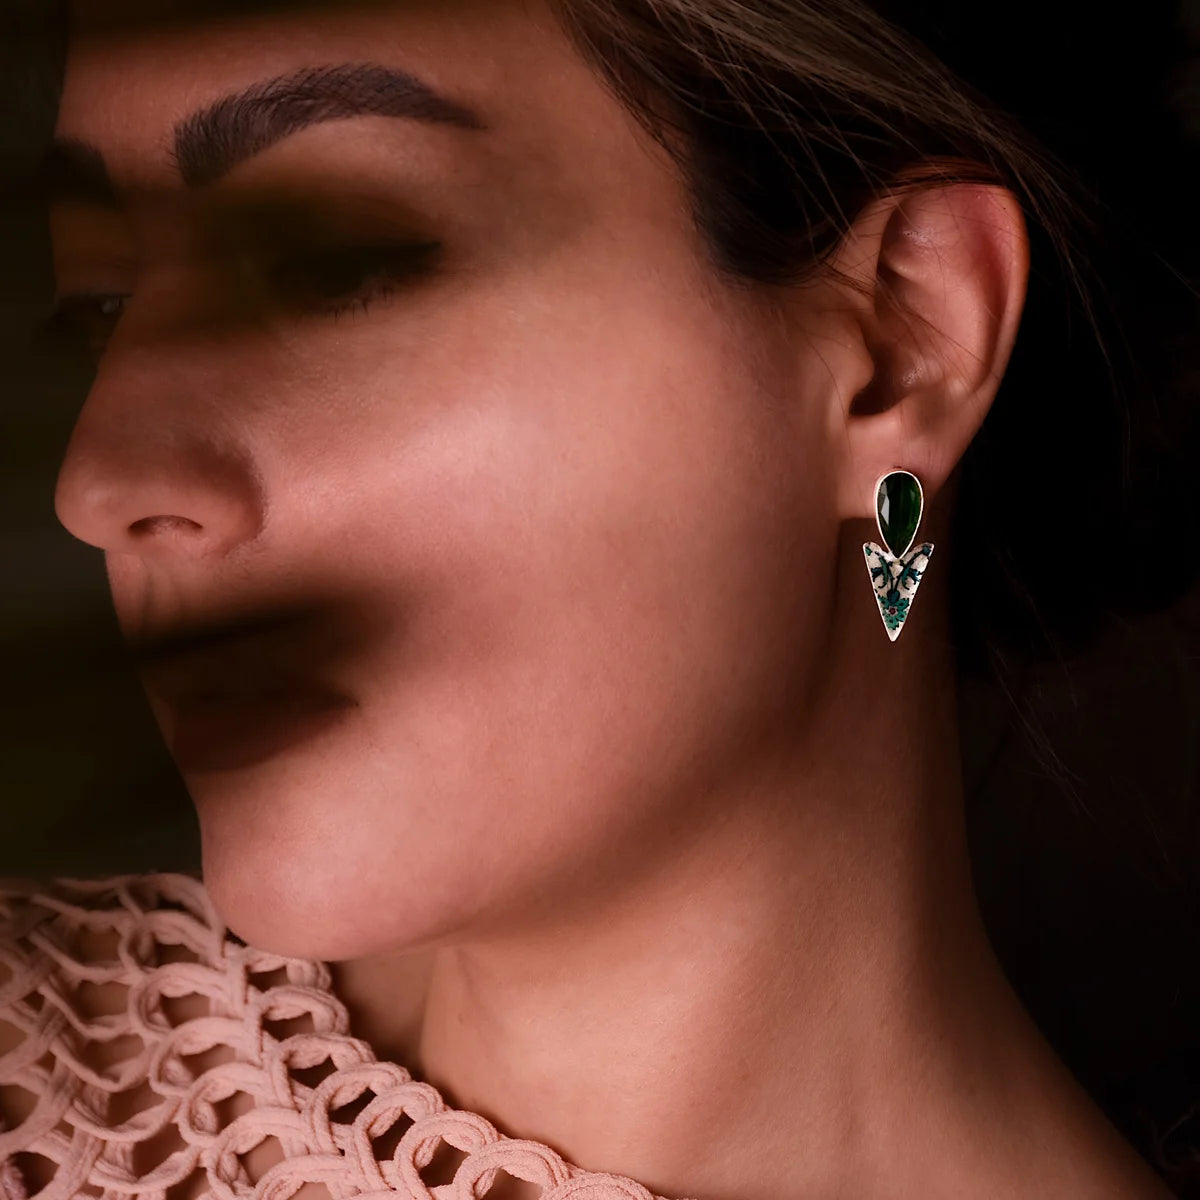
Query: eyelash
(380, 269)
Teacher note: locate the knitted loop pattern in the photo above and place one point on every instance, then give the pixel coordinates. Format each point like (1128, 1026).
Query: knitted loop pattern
(75, 1121)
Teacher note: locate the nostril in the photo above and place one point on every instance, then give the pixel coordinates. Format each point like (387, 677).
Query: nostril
(157, 524)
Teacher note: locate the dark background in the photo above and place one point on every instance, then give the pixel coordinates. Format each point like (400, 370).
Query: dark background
(1089, 889)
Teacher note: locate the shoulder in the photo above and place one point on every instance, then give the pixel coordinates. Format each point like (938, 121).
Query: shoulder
(63, 940)
(70, 950)
(66, 947)
(75, 911)
(145, 1051)
(120, 1001)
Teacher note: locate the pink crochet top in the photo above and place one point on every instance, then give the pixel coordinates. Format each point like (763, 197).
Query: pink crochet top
(145, 1051)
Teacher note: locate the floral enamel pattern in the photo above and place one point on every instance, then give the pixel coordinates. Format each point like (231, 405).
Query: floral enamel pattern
(895, 581)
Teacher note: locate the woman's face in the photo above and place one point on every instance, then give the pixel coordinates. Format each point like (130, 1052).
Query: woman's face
(549, 498)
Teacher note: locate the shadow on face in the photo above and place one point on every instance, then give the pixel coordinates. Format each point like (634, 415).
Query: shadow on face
(417, 402)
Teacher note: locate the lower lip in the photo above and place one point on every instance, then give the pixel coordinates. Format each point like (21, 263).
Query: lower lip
(228, 736)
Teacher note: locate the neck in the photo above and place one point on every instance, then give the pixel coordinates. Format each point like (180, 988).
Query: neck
(801, 1001)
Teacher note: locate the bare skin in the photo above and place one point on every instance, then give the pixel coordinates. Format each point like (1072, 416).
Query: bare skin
(644, 841)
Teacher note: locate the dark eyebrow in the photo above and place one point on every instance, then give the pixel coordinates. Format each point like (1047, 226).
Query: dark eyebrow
(215, 139)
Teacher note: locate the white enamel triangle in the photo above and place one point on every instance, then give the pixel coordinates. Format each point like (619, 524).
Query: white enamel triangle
(895, 581)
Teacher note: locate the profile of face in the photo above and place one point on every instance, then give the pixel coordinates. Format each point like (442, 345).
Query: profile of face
(406, 326)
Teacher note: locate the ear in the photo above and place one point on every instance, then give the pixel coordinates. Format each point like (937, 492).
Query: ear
(940, 275)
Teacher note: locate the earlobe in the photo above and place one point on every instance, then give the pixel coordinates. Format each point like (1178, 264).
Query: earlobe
(950, 272)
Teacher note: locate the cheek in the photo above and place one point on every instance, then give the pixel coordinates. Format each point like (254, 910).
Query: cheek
(592, 573)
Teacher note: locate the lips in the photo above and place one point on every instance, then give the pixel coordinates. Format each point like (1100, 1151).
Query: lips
(237, 662)
(245, 689)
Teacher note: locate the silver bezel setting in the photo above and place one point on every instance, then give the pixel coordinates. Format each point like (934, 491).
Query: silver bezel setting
(920, 510)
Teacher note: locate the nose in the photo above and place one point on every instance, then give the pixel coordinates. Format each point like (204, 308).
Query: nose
(156, 465)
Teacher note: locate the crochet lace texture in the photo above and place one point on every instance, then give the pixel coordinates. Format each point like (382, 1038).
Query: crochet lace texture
(134, 1102)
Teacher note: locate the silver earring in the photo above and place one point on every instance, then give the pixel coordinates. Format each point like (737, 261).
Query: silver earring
(896, 572)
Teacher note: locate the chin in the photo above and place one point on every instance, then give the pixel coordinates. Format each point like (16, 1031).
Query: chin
(291, 896)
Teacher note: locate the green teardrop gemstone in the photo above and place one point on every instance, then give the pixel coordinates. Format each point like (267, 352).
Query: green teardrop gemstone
(899, 507)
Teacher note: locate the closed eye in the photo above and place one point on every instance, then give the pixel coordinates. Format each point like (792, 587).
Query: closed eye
(336, 280)
(323, 282)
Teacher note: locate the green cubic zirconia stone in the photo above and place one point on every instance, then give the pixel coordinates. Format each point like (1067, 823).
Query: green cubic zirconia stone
(899, 505)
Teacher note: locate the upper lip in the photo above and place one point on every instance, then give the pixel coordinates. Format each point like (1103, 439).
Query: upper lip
(235, 660)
